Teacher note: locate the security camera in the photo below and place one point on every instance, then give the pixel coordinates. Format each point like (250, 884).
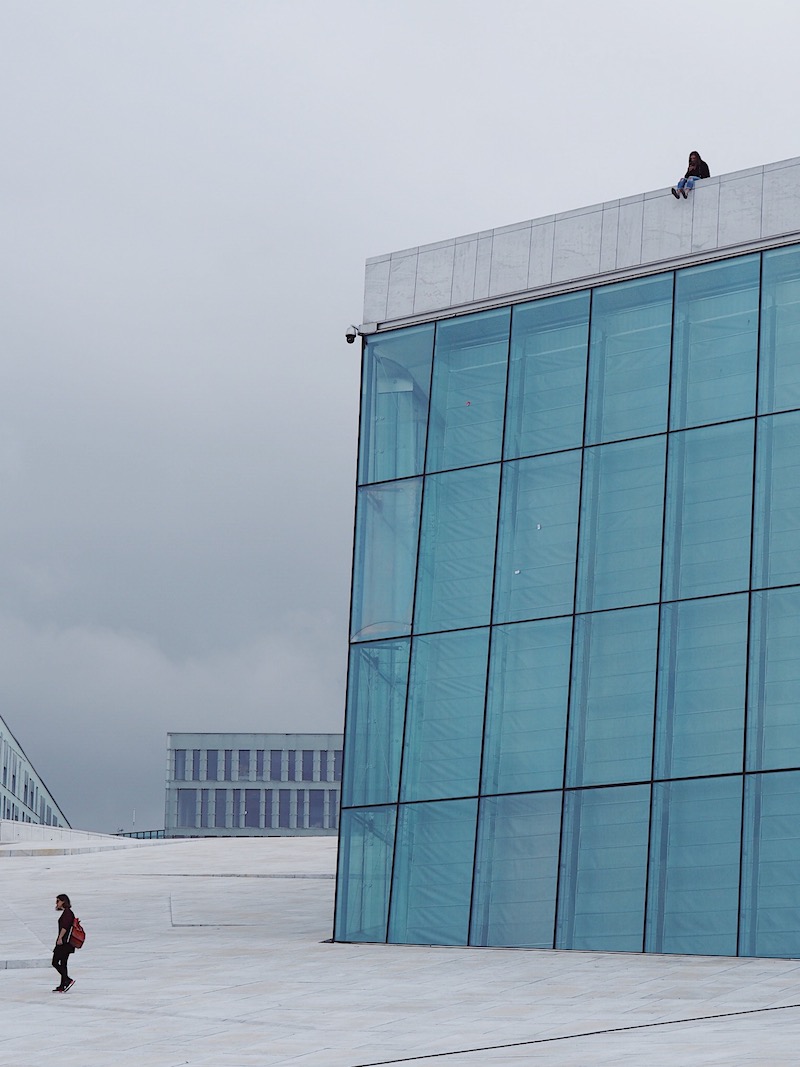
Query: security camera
(350, 334)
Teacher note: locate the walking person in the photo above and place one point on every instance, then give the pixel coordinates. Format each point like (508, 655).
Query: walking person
(698, 168)
(63, 949)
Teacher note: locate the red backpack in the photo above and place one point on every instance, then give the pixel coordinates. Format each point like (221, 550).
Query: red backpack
(77, 934)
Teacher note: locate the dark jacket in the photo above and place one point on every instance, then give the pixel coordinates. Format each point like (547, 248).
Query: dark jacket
(699, 170)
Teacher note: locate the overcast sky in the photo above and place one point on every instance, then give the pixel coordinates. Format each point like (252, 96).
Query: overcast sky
(189, 191)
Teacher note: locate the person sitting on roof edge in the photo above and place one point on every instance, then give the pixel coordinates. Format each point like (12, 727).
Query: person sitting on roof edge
(698, 168)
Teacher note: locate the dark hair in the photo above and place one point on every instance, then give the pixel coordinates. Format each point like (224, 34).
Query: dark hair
(694, 152)
(63, 897)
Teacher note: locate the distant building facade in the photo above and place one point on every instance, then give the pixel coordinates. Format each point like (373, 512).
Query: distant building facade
(240, 785)
(23, 795)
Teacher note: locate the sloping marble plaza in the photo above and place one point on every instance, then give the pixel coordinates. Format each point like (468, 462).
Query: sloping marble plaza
(214, 953)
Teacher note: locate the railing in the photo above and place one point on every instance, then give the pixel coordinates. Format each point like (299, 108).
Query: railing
(141, 835)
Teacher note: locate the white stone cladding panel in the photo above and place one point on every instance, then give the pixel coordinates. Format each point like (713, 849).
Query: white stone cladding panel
(540, 264)
(705, 216)
(629, 232)
(376, 289)
(465, 257)
(434, 278)
(666, 228)
(402, 282)
(511, 253)
(740, 209)
(576, 246)
(781, 213)
(483, 266)
(608, 240)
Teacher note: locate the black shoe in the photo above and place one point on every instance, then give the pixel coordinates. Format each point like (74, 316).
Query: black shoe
(675, 193)
(685, 194)
(58, 989)
(68, 986)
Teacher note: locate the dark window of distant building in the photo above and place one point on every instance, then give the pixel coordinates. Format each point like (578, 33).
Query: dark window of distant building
(275, 764)
(291, 759)
(237, 808)
(333, 808)
(252, 807)
(187, 807)
(284, 803)
(267, 808)
(316, 808)
(196, 764)
(228, 764)
(204, 812)
(180, 764)
(220, 806)
(244, 764)
(323, 766)
(337, 765)
(301, 808)
(260, 764)
(308, 765)
(212, 765)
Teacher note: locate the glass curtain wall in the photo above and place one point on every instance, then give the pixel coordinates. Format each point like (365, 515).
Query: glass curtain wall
(573, 714)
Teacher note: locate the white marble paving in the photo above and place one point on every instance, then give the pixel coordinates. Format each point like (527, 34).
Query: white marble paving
(212, 953)
(723, 214)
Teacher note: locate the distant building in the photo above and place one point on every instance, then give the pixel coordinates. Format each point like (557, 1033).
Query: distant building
(23, 795)
(224, 785)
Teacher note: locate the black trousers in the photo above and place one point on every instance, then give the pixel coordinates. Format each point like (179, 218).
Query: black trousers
(61, 954)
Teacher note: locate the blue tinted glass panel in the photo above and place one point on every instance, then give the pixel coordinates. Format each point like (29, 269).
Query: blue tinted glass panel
(707, 528)
(387, 529)
(622, 514)
(514, 902)
(526, 715)
(187, 807)
(468, 390)
(456, 557)
(693, 897)
(537, 537)
(613, 696)
(376, 702)
(366, 845)
(433, 873)
(776, 531)
(779, 362)
(715, 342)
(603, 869)
(629, 359)
(395, 390)
(770, 922)
(701, 687)
(441, 755)
(547, 375)
(773, 723)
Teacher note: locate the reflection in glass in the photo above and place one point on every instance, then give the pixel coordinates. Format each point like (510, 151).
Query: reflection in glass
(715, 342)
(456, 556)
(387, 529)
(603, 869)
(693, 894)
(709, 495)
(468, 390)
(547, 375)
(433, 873)
(621, 524)
(537, 537)
(613, 693)
(516, 870)
(779, 359)
(526, 715)
(776, 530)
(629, 359)
(394, 403)
(773, 724)
(701, 687)
(770, 922)
(366, 845)
(376, 703)
(447, 686)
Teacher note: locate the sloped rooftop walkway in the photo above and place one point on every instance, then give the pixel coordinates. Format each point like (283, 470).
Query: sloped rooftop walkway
(212, 953)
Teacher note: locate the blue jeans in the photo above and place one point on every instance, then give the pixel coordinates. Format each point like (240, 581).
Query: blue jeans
(687, 183)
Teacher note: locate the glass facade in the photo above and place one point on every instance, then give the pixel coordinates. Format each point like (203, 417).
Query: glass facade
(573, 713)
